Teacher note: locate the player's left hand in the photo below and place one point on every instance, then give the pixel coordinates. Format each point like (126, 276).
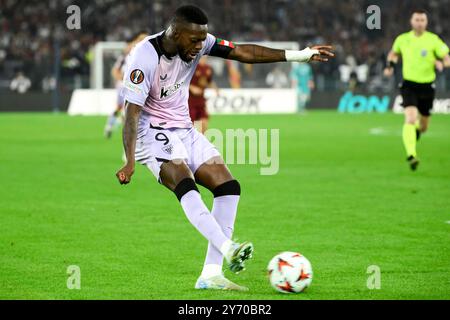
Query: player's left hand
(325, 52)
(439, 65)
(124, 174)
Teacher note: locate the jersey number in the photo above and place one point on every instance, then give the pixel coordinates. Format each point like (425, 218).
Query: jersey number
(162, 137)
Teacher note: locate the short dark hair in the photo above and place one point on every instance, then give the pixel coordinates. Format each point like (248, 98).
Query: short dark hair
(191, 14)
(419, 11)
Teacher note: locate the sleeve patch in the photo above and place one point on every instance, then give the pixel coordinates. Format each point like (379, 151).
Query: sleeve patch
(137, 76)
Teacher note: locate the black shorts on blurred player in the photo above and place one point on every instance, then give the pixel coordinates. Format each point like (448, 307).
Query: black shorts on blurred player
(420, 95)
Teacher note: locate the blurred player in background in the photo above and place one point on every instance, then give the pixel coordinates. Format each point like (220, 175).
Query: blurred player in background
(302, 79)
(202, 79)
(234, 75)
(117, 72)
(277, 79)
(419, 50)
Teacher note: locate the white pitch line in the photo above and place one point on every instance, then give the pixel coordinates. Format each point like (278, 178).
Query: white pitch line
(384, 132)
(377, 131)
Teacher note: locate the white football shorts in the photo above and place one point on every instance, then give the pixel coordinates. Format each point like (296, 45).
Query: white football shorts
(157, 146)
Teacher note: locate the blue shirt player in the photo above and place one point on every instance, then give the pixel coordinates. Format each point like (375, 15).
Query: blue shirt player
(302, 80)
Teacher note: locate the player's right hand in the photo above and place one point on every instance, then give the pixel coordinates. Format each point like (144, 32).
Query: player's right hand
(389, 71)
(325, 52)
(124, 174)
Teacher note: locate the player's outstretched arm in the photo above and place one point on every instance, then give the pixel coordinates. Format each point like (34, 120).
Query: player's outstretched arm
(250, 53)
(129, 141)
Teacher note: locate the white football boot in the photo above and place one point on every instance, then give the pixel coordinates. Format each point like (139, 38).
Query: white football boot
(238, 254)
(218, 282)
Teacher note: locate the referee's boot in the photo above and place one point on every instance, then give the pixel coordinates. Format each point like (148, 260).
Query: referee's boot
(413, 162)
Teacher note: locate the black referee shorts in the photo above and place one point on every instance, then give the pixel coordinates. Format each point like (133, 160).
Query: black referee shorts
(420, 95)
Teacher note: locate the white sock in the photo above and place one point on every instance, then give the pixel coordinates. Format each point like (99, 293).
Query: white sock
(211, 270)
(225, 249)
(200, 217)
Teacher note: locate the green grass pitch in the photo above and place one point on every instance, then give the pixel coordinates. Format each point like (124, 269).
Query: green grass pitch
(344, 197)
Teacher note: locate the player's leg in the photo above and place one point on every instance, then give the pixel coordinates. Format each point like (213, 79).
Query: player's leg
(121, 112)
(177, 177)
(301, 102)
(113, 120)
(308, 99)
(215, 176)
(210, 171)
(409, 135)
(163, 152)
(425, 104)
(423, 123)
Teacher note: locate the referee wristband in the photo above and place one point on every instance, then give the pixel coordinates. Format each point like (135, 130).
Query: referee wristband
(391, 64)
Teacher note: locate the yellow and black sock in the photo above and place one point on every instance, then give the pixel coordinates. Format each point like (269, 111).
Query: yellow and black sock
(409, 139)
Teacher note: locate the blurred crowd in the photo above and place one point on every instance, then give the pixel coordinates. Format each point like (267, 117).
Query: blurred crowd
(36, 43)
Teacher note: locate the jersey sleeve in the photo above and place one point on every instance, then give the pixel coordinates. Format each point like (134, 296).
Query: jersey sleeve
(220, 47)
(209, 42)
(441, 49)
(396, 47)
(138, 77)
